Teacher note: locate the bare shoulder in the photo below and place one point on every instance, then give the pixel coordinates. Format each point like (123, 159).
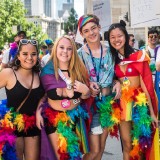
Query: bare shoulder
(6, 72)
(5, 76)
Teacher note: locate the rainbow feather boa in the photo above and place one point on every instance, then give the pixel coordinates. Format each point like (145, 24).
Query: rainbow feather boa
(141, 132)
(109, 114)
(68, 141)
(9, 122)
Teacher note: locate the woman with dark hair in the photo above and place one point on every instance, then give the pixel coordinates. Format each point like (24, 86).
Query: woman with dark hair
(17, 115)
(138, 100)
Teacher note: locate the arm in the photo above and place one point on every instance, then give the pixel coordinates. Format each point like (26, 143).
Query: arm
(82, 88)
(5, 77)
(39, 118)
(117, 89)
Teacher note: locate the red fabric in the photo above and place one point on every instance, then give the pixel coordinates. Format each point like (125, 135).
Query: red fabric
(127, 73)
(146, 75)
(143, 68)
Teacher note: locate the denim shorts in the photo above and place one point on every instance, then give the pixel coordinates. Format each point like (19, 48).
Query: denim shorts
(96, 128)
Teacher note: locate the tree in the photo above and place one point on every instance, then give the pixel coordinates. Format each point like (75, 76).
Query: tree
(71, 24)
(12, 13)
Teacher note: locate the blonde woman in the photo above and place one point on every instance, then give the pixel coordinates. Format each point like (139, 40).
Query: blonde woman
(65, 80)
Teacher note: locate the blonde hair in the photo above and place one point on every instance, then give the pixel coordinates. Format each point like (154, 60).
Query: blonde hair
(76, 67)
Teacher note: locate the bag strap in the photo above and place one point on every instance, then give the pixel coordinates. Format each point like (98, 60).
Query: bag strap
(27, 94)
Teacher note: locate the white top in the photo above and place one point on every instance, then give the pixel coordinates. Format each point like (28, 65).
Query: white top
(45, 59)
(152, 62)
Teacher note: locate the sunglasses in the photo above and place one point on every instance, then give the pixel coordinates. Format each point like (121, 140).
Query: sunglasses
(133, 40)
(153, 36)
(26, 41)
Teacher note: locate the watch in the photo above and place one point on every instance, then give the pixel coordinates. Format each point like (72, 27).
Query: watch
(69, 84)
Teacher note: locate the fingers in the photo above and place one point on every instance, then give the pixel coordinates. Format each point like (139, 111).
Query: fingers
(59, 91)
(40, 123)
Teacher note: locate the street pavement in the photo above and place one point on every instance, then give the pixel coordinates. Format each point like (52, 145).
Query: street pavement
(113, 149)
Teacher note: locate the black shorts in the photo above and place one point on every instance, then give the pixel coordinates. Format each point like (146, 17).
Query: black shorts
(30, 132)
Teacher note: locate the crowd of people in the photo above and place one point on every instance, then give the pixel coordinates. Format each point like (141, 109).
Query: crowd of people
(78, 95)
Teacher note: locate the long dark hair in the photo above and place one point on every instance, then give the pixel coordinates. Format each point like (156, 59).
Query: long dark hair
(127, 48)
(15, 63)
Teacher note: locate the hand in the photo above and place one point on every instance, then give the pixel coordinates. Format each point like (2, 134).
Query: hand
(59, 91)
(80, 87)
(39, 118)
(155, 121)
(94, 89)
(117, 90)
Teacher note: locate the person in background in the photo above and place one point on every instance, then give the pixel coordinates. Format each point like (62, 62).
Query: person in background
(46, 57)
(132, 41)
(43, 51)
(11, 52)
(66, 82)
(150, 49)
(138, 100)
(24, 91)
(100, 66)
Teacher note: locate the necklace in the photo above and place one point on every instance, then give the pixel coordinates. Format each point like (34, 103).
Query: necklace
(65, 70)
(126, 81)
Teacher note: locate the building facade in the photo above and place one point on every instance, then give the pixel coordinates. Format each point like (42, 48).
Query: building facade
(49, 14)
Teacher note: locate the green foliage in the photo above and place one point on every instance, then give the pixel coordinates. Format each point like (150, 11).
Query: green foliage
(12, 13)
(34, 32)
(71, 24)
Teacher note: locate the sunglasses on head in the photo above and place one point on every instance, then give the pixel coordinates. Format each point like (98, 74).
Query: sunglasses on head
(153, 36)
(133, 40)
(26, 41)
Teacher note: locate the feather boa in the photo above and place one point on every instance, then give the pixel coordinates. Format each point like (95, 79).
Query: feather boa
(141, 132)
(10, 121)
(68, 141)
(109, 114)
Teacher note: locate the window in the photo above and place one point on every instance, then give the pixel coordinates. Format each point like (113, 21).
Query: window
(47, 7)
(27, 5)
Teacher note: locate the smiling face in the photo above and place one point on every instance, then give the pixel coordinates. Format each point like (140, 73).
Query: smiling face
(117, 40)
(153, 39)
(64, 51)
(28, 56)
(90, 32)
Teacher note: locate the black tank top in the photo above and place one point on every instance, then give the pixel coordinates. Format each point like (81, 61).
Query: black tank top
(52, 94)
(18, 93)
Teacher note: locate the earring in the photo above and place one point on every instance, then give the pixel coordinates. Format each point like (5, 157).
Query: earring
(17, 62)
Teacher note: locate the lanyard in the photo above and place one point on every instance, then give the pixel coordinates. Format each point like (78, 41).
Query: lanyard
(97, 72)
